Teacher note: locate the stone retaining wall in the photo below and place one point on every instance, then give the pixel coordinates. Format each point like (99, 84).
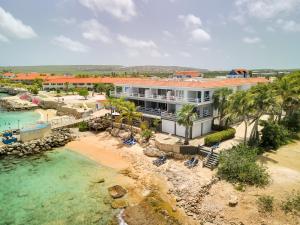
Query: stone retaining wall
(58, 138)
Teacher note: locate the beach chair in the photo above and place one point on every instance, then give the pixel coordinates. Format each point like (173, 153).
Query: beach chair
(215, 146)
(160, 161)
(187, 163)
(193, 164)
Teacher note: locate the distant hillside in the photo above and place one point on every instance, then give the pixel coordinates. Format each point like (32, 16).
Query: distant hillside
(98, 69)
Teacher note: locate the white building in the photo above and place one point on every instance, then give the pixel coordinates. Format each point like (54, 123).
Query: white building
(163, 98)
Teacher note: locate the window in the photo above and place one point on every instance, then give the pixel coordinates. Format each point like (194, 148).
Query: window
(199, 94)
(206, 96)
(119, 89)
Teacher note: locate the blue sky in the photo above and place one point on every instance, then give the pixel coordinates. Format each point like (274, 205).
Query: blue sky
(214, 34)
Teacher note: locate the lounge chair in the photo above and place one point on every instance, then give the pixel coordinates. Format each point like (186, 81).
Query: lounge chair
(215, 146)
(160, 161)
(187, 163)
(193, 164)
(130, 141)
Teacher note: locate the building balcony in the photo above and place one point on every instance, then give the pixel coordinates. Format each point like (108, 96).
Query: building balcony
(168, 115)
(159, 98)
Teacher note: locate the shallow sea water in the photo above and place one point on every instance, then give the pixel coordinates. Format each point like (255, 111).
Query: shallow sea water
(14, 120)
(54, 188)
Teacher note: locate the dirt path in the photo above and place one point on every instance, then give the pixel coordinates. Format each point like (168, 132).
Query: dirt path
(284, 169)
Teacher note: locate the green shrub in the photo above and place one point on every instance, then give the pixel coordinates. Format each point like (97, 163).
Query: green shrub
(274, 135)
(219, 136)
(238, 165)
(83, 126)
(292, 122)
(292, 204)
(265, 203)
(144, 125)
(147, 134)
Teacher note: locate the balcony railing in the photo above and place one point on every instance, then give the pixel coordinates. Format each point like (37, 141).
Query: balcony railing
(158, 97)
(167, 115)
(151, 111)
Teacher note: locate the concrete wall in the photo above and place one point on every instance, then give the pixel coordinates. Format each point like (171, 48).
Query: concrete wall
(180, 130)
(34, 133)
(196, 131)
(206, 126)
(168, 126)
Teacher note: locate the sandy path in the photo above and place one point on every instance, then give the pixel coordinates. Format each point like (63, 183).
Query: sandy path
(102, 149)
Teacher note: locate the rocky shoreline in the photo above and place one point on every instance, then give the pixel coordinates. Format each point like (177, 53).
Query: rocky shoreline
(58, 138)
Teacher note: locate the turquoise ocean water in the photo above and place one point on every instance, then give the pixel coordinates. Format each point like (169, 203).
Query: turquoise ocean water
(14, 120)
(54, 188)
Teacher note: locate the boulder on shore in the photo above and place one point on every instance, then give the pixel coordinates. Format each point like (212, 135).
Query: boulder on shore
(152, 152)
(117, 191)
(233, 201)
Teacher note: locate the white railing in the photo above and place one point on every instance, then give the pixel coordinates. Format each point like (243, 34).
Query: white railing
(158, 97)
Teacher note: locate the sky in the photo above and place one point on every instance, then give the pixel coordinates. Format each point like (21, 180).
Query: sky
(207, 34)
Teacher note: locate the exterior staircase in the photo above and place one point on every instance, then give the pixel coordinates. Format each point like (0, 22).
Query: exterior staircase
(211, 160)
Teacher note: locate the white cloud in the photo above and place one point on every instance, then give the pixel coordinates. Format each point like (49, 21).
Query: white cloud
(136, 47)
(95, 31)
(205, 49)
(251, 40)
(121, 9)
(134, 43)
(186, 54)
(265, 9)
(15, 27)
(270, 29)
(194, 26)
(168, 34)
(200, 35)
(249, 30)
(67, 21)
(3, 38)
(288, 25)
(69, 44)
(190, 20)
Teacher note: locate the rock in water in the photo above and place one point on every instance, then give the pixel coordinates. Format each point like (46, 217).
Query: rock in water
(119, 204)
(98, 180)
(233, 201)
(117, 191)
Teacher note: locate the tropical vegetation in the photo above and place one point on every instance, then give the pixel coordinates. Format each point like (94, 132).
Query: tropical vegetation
(238, 165)
(279, 100)
(220, 99)
(265, 203)
(292, 203)
(217, 137)
(186, 116)
(83, 92)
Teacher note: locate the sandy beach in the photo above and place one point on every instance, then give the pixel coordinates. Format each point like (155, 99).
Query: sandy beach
(181, 189)
(136, 172)
(46, 114)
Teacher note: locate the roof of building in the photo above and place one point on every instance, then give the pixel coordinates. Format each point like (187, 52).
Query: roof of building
(207, 83)
(240, 70)
(8, 74)
(30, 76)
(189, 73)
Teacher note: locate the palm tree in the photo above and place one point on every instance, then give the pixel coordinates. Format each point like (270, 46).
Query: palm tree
(186, 116)
(112, 103)
(240, 106)
(220, 99)
(288, 94)
(130, 114)
(263, 102)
